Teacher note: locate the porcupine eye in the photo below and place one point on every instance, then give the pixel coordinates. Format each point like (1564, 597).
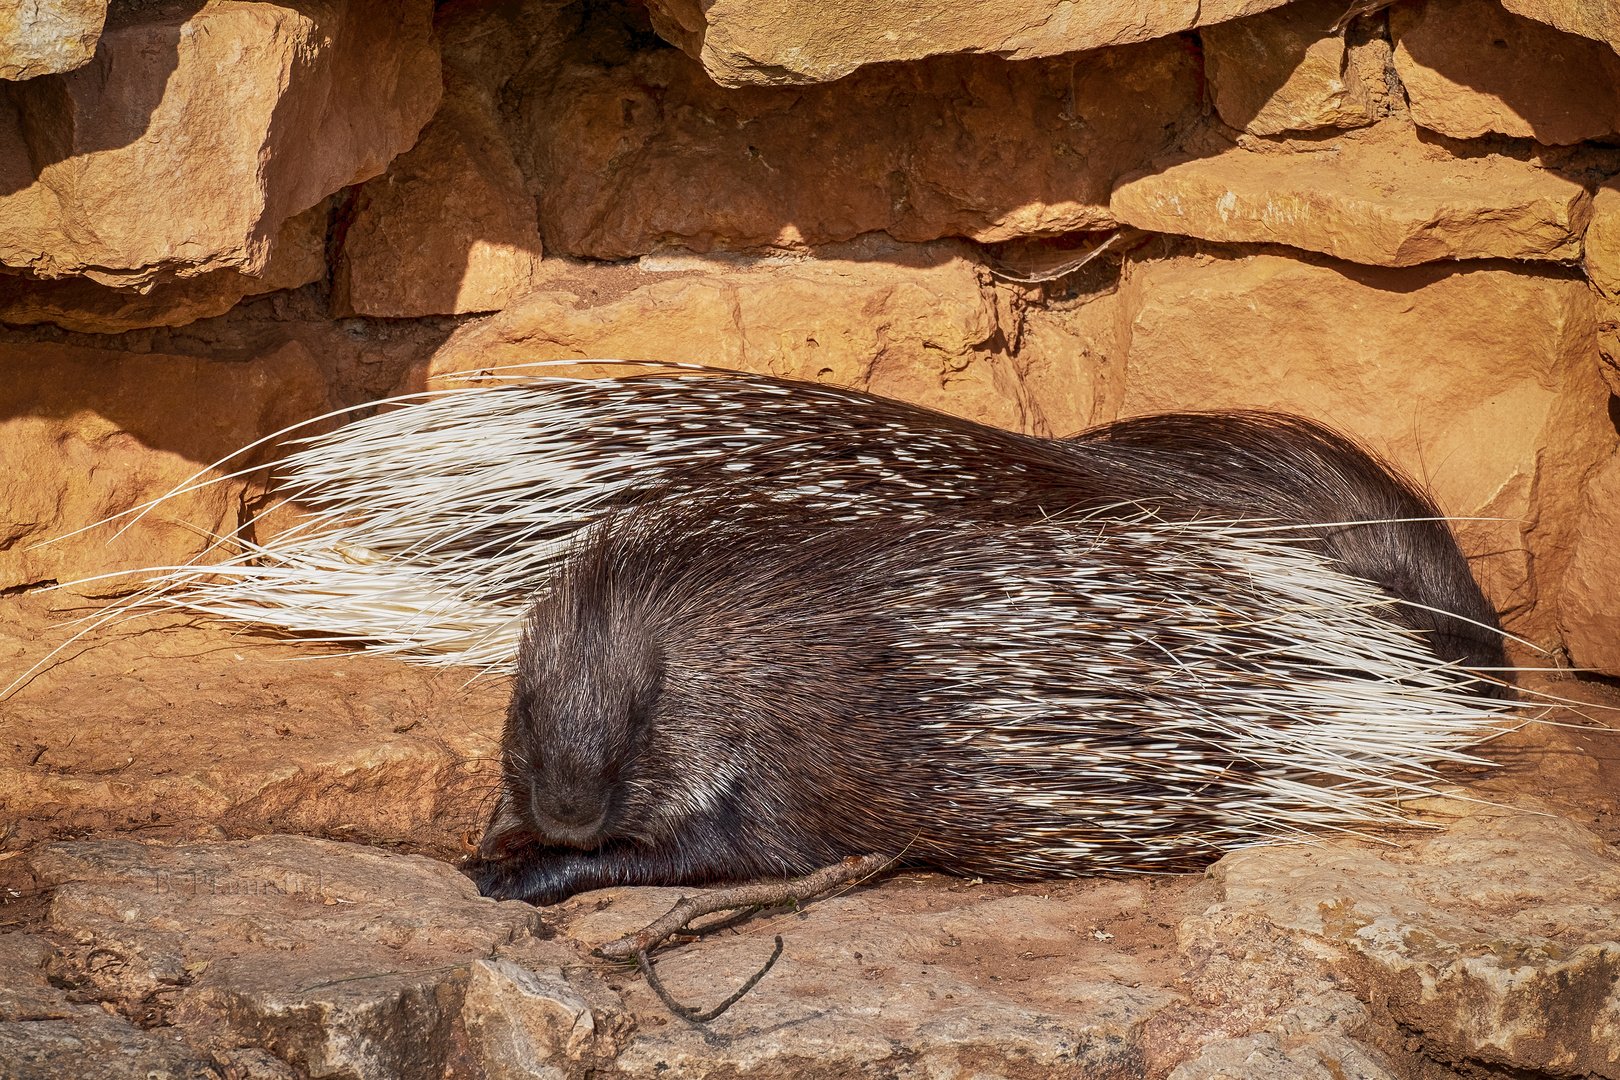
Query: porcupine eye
(585, 724)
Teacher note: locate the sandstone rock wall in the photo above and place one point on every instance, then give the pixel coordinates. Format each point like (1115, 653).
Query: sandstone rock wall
(218, 217)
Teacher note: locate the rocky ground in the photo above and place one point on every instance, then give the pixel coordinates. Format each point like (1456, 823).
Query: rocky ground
(230, 856)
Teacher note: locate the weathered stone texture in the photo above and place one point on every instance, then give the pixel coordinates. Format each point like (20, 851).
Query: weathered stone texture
(1601, 245)
(297, 257)
(45, 37)
(1479, 382)
(1470, 68)
(808, 41)
(1589, 611)
(90, 433)
(195, 133)
(1386, 199)
(631, 149)
(1489, 945)
(1495, 940)
(448, 228)
(1284, 71)
(339, 959)
(1596, 19)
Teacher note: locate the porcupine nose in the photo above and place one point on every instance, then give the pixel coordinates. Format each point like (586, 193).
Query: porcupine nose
(569, 814)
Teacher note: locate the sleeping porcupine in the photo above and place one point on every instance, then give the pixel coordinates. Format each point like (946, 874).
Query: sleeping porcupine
(1126, 651)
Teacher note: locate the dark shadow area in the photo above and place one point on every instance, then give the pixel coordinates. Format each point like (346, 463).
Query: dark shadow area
(104, 105)
(630, 146)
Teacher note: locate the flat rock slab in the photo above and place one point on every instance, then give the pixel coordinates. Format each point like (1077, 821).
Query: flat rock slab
(1382, 199)
(923, 983)
(1497, 939)
(339, 959)
(100, 1048)
(186, 732)
(805, 41)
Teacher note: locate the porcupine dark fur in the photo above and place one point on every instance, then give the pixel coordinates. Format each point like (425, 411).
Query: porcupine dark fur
(1257, 466)
(723, 681)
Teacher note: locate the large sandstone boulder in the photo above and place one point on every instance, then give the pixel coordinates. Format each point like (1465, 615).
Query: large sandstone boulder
(1494, 942)
(1480, 382)
(91, 433)
(297, 257)
(1601, 246)
(194, 134)
(43, 37)
(1589, 609)
(1471, 67)
(448, 228)
(630, 148)
(1596, 19)
(1382, 197)
(808, 41)
(1285, 70)
(908, 321)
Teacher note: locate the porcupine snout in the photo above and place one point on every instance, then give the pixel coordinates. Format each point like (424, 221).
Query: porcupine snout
(569, 811)
(580, 716)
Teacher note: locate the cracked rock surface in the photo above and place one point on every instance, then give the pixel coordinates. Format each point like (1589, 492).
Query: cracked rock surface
(1489, 945)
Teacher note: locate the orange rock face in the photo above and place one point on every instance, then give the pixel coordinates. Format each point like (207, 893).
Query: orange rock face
(78, 303)
(912, 322)
(1479, 382)
(1382, 197)
(1470, 67)
(90, 433)
(448, 228)
(1589, 611)
(195, 133)
(1596, 19)
(827, 192)
(1601, 246)
(631, 148)
(44, 37)
(810, 41)
(1284, 70)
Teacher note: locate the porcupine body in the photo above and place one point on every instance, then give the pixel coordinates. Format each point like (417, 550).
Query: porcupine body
(816, 622)
(1175, 635)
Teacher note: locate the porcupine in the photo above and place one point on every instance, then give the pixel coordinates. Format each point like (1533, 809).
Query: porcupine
(1177, 634)
(481, 520)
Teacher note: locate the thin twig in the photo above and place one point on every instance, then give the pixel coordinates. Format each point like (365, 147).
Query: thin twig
(1363, 7)
(689, 1013)
(1060, 271)
(762, 895)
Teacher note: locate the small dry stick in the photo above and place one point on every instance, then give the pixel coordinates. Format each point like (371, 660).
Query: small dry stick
(689, 1013)
(1060, 271)
(1363, 7)
(763, 895)
(853, 868)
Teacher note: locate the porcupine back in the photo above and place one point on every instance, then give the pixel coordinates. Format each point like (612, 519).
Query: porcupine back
(438, 522)
(716, 688)
(844, 451)
(1272, 471)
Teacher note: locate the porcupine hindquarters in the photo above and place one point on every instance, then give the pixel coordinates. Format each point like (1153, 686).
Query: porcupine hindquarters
(1290, 472)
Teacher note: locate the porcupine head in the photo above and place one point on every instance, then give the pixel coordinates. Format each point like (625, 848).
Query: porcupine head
(697, 708)
(578, 727)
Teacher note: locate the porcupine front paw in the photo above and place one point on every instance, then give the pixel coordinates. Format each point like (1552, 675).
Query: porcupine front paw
(518, 877)
(550, 875)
